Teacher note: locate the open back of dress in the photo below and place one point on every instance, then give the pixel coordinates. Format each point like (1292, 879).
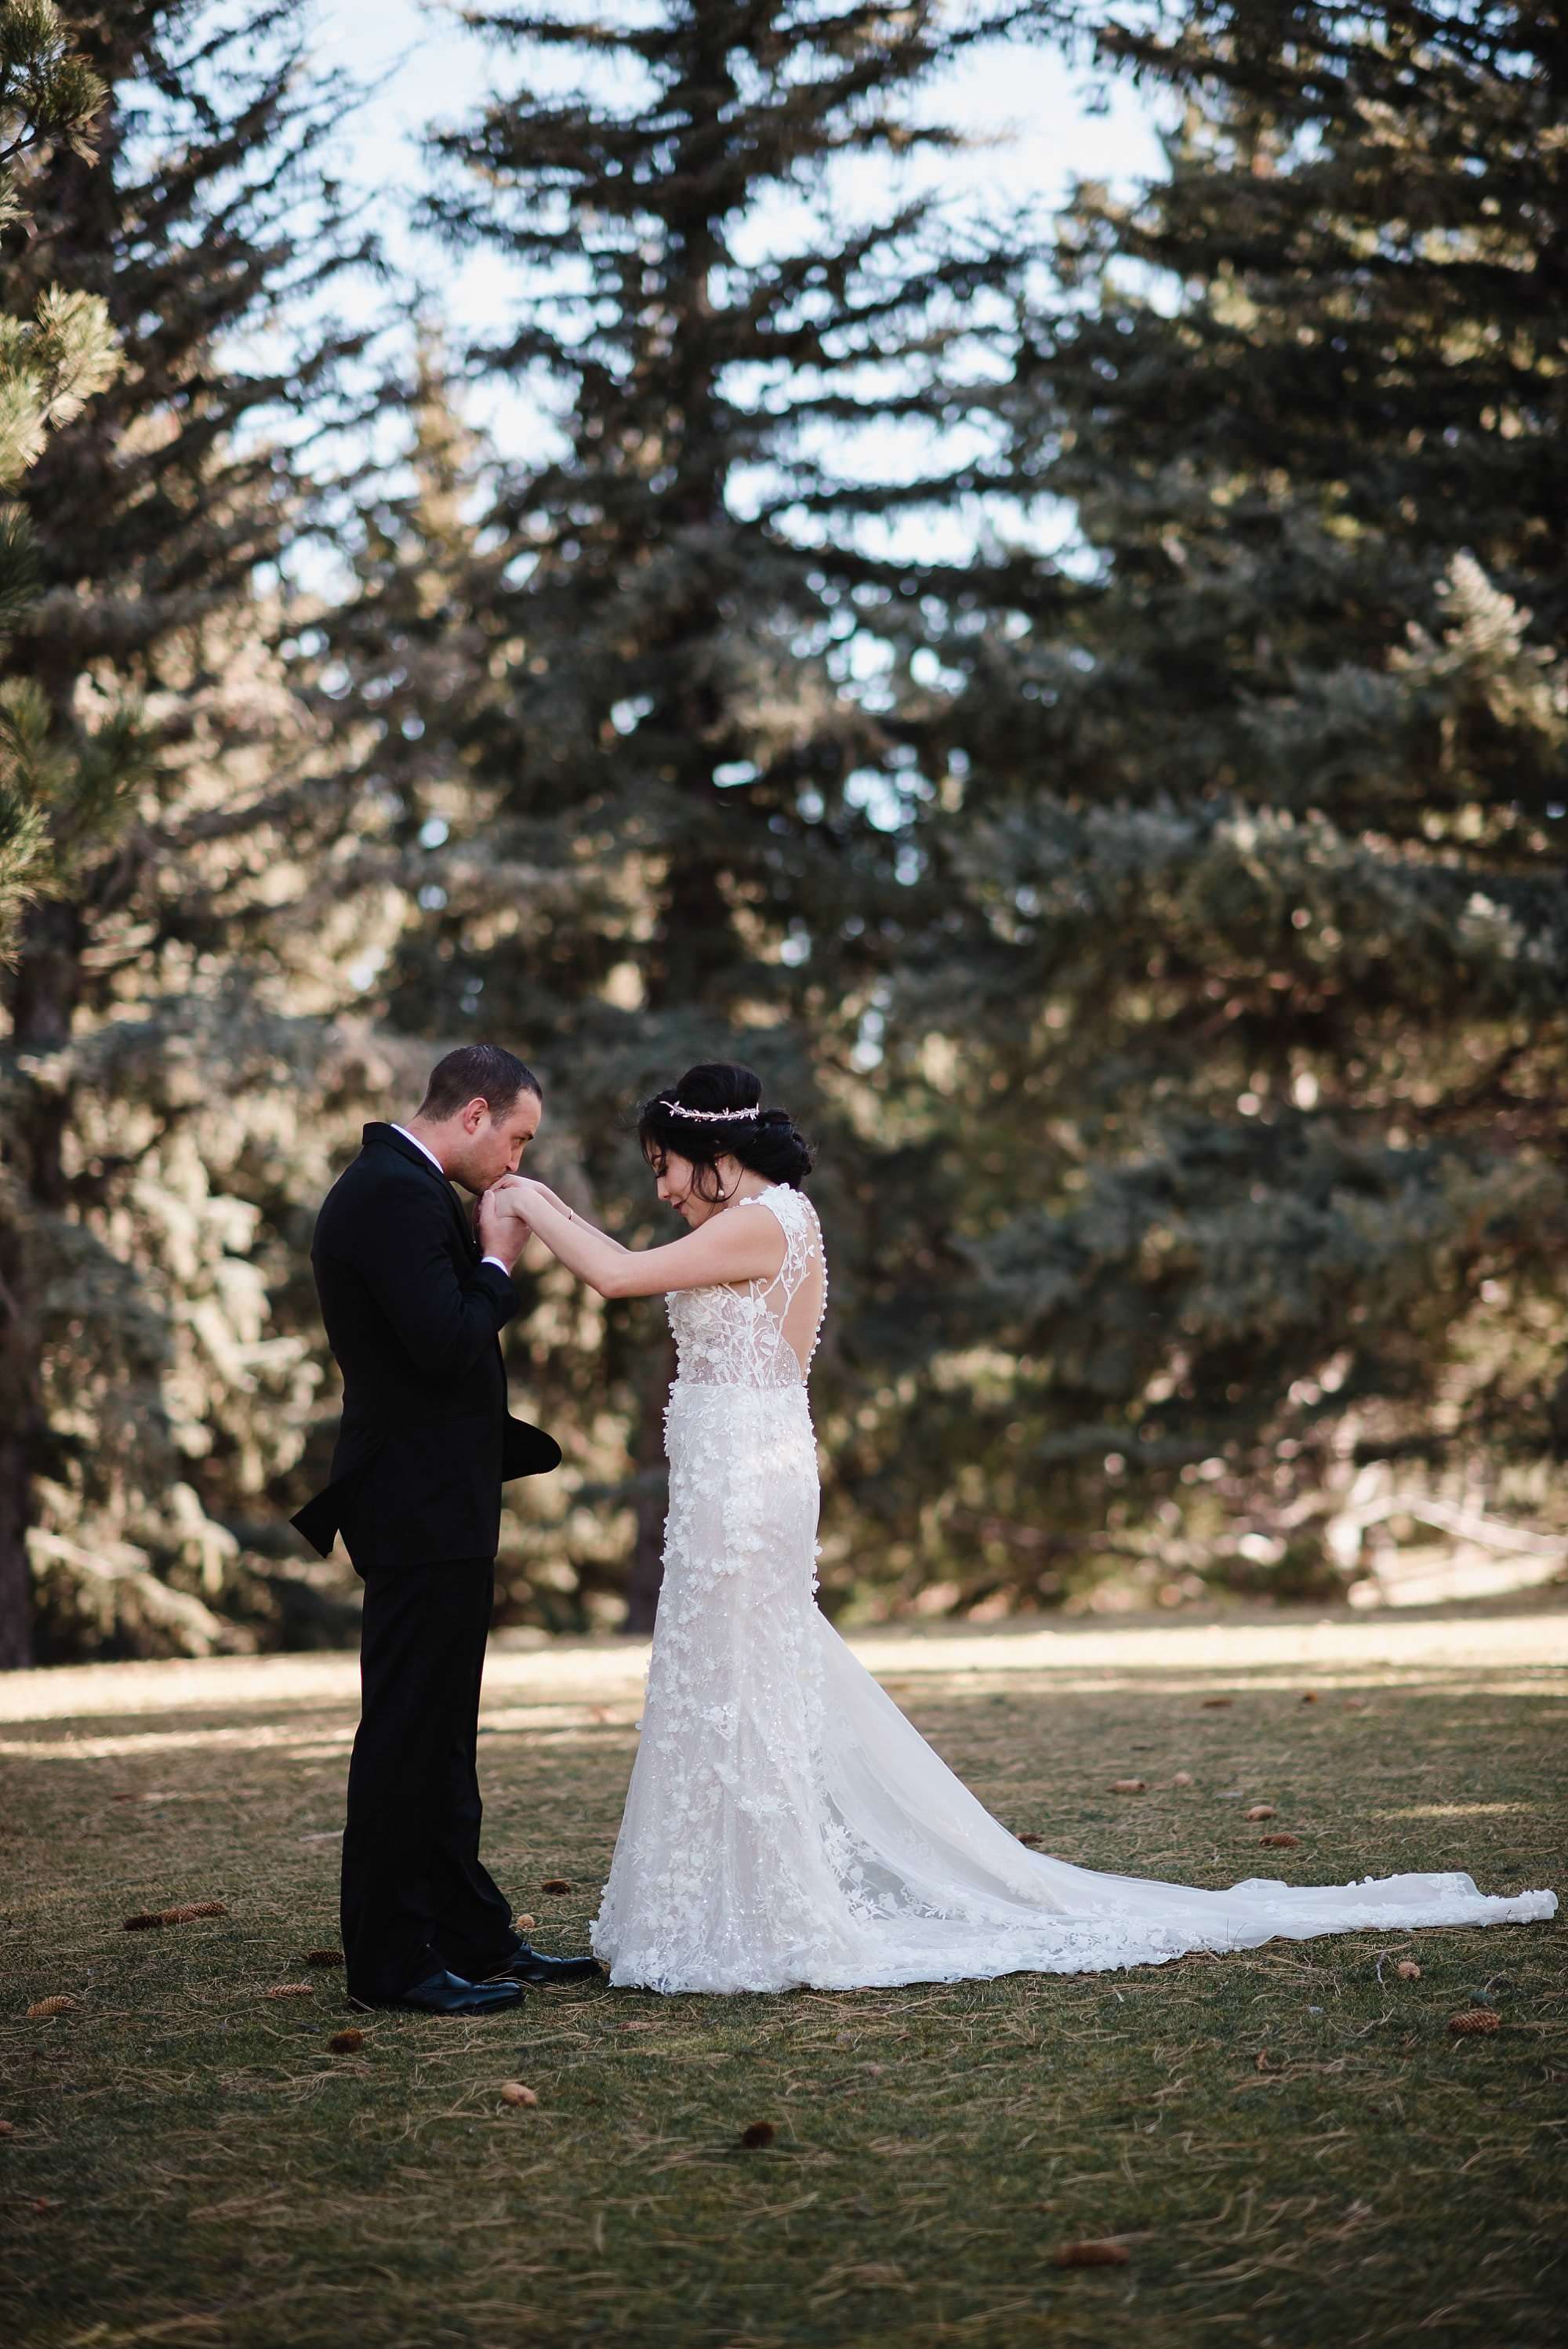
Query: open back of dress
(797, 1295)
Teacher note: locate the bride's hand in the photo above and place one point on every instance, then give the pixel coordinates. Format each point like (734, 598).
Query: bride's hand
(518, 1189)
(520, 1195)
(531, 1183)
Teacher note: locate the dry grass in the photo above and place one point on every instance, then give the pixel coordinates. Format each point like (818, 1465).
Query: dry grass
(1289, 2145)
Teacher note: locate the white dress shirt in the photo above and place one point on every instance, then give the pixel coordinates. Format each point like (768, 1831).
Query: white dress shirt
(442, 1173)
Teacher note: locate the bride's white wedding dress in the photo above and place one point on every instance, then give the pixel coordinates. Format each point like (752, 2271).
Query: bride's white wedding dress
(786, 1826)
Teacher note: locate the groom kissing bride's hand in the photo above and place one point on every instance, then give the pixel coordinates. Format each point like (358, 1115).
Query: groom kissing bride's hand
(414, 1294)
(501, 1223)
(786, 1826)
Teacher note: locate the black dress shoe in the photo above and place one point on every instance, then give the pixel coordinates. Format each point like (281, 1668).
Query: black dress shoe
(526, 1965)
(445, 1993)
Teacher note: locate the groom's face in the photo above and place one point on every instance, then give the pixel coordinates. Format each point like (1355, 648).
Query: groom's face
(494, 1144)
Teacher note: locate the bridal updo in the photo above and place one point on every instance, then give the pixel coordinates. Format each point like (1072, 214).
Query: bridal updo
(716, 1111)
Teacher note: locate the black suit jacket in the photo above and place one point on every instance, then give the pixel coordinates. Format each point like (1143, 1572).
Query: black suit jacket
(413, 1320)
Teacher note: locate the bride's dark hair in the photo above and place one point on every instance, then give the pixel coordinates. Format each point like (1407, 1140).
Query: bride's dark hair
(716, 1111)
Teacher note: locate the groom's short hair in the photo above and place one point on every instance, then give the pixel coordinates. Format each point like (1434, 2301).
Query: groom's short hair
(474, 1072)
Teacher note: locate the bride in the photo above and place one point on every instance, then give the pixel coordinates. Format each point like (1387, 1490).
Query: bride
(786, 1826)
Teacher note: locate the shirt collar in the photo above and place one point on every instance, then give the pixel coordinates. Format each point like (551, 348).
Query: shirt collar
(420, 1145)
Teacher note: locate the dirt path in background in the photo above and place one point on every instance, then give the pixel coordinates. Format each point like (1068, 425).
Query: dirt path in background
(1342, 1646)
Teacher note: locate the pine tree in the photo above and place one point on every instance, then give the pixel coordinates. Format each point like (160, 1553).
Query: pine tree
(50, 364)
(1264, 834)
(177, 932)
(714, 733)
(402, 648)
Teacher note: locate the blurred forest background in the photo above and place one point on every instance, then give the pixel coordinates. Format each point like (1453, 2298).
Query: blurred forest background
(1074, 695)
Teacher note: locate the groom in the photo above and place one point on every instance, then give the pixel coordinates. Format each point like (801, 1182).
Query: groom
(413, 1304)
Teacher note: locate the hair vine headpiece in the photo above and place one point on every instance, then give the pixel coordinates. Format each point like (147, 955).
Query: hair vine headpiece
(707, 1116)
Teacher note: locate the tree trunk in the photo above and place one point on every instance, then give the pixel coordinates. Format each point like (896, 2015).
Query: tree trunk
(17, 1420)
(44, 996)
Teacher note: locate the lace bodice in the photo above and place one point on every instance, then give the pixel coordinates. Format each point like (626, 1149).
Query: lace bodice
(757, 1333)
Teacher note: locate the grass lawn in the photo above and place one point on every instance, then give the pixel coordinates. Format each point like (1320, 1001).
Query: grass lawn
(1289, 2146)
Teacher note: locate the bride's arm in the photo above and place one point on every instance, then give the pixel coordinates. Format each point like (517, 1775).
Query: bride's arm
(726, 1248)
(573, 1214)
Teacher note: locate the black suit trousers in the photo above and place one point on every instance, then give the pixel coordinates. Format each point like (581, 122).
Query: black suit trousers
(415, 1897)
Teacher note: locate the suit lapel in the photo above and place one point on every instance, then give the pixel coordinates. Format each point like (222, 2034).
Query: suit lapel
(389, 1137)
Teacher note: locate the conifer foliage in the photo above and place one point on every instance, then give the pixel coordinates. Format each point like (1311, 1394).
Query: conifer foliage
(51, 363)
(1270, 834)
(711, 606)
(1166, 940)
(165, 780)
